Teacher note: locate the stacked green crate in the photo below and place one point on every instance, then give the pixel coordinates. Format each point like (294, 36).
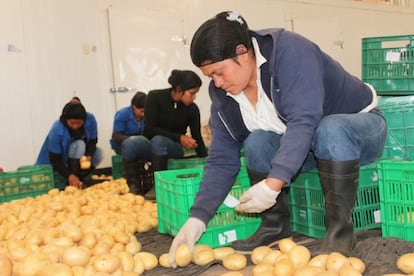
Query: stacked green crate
(399, 113)
(388, 64)
(396, 183)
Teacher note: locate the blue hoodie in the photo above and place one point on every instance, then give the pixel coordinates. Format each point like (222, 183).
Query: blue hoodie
(305, 85)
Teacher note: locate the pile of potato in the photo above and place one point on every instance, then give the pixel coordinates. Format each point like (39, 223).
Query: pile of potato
(77, 232)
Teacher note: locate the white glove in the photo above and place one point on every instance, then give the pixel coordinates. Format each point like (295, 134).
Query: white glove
(257, 199)
(190, 233)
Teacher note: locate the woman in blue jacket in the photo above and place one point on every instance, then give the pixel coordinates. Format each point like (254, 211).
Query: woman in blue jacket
(293, 107)
(129, 142)
(72, 137)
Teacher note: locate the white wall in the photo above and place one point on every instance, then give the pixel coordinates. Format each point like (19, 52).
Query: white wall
(51, 50)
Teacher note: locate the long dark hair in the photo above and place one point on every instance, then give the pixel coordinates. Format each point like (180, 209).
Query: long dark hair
(216, 39)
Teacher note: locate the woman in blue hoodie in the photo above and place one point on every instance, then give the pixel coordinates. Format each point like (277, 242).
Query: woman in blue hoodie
(70, 138)
(293, 107)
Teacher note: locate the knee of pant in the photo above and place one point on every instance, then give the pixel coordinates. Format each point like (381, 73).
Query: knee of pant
(97, 157)
(329, 140)
(77, 149)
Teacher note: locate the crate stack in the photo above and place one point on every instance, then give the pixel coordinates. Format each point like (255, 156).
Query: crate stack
(388, 64)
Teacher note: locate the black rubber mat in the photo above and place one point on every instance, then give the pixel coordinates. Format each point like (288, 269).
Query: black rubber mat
(379, 254)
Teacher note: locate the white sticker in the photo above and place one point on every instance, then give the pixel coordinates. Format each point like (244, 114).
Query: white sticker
(392, 56)
(227, 237)
(377, 216)
(230, 201)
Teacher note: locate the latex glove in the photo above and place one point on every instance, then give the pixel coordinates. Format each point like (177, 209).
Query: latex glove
(190, 233)
(257, 199)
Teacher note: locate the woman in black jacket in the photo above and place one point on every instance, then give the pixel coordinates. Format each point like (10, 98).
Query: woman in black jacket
(168, 114)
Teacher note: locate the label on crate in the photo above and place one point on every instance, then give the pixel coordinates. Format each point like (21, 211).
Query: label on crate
(227, 237)
(377, 216)
(392, 56)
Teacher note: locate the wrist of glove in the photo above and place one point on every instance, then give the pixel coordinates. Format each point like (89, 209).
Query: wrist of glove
(189, 234)
(257, 199)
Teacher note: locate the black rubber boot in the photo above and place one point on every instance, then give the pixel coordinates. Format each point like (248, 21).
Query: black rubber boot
(159, 163)
(275, 223)
(133, 172)
(339, 180)
(148, 179)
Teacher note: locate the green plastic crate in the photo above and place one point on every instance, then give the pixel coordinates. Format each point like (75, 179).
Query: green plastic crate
(118, 170)
(399, 113)
(396, 183)
(307, 203)
(26, 181)
(176, 191)
(388, 64)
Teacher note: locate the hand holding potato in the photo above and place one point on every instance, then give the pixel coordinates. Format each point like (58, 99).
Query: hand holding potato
(189, 234)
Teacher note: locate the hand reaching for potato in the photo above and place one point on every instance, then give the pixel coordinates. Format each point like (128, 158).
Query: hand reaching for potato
(74, 181)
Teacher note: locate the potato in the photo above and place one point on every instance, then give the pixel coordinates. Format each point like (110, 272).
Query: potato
(203, 257)
(127, 260)
(299, 255)
(78, 270)
(221, 252)
(76, 255)
(57, 269)
(358, 264)
(283, 267)
(308, 270)
(122, 237)
(107, 263)
(319, 261)
(405, 263)
(183, 256)
(138, 265)
(85, 164)
(163, 260)
(335, 261)
(150, 260)
(232, 273)
(271, 257)
(348, 270)
(262, 269)
(199, 247)
(259, 252)
(6, 265)
(235, 261)
(133, 247)
(89, 240)
(34, 263)
(285, 245)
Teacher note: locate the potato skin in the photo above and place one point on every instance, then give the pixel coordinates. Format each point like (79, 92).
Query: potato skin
(405, 263)
(235, 261)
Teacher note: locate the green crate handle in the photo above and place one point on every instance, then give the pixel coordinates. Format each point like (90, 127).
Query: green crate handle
(188, 175)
